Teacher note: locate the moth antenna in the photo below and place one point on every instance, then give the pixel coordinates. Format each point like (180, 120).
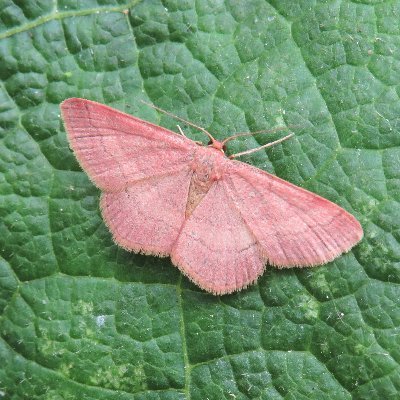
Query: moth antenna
(261, 147)
(183, 134)
(181, 131)
(273, 130)
(181, 119)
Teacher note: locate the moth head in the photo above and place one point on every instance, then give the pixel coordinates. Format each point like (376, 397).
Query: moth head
(216, 144)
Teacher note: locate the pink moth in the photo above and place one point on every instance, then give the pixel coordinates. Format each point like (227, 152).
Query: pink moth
(220, 220)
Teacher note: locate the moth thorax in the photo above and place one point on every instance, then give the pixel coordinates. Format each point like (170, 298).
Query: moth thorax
(206, 171)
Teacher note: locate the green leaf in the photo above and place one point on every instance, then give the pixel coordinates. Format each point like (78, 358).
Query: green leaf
(83, 319)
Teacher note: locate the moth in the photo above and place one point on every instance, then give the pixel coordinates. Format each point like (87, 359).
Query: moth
(220, 220)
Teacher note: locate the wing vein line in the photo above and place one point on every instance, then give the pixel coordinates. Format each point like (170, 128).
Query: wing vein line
(230, 197)
(147, 178)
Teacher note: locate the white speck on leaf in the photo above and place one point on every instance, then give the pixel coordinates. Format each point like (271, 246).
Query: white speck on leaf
(100, 320)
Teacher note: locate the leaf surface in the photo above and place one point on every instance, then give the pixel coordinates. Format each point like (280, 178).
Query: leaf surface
(83, 319)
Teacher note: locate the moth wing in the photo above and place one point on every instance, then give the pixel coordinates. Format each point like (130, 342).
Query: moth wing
(293, 226)
(215, 248)
(147, 216)
(142, 169)
(116, 149)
